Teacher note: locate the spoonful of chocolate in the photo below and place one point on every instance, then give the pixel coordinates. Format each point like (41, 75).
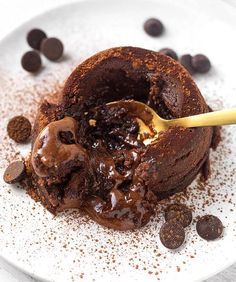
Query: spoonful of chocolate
(150, 123)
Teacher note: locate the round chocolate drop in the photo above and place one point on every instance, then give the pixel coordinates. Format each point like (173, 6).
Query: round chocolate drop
(201, 63)
(172, 234)
(52, 48)
(35, 38)
(31, 61)
(14, 172)
(209, 227)
(180, 213)
(153, 27)
(19, 129)
(169, 52)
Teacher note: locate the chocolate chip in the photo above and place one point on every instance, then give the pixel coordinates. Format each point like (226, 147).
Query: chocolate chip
(31, 61)
(153, 27)
(201, 63)
(180, 213)
(209, 227)
(14, 172)
(169, 52)
(186, 61)
(172, 234)
(52, 48)
(19, 129)
(35, 37)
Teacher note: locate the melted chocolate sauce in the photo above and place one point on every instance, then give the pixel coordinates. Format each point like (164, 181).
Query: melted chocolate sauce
(115, 200)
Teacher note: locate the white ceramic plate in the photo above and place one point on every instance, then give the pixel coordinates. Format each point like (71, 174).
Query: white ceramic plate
(69, 247)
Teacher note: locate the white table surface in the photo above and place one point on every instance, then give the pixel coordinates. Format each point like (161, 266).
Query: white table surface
(12, 14)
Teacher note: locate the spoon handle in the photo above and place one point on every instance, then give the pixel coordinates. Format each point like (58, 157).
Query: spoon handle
(223, 117)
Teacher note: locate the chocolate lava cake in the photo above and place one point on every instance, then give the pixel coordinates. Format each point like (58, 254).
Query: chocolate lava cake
(86, 155)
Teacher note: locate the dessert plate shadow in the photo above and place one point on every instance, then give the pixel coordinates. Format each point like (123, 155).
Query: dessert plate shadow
(70, 247)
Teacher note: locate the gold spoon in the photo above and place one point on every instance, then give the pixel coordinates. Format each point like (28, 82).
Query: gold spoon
(150, 123)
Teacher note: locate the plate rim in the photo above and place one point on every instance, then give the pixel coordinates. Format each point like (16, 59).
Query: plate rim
(20, 266)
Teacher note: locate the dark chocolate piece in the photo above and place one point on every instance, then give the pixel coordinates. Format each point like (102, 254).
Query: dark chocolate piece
(169, 52)
(52, 48)
(14, 172)
(209, 227)
(19, 129)
(35, 37)
(153, 27)
(31, 61)
(201, 63)
(179, 212)
(172, 234)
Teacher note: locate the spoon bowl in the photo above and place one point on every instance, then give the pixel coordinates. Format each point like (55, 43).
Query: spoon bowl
(150, 123)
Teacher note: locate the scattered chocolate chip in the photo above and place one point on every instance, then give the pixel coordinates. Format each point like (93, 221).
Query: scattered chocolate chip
(180, 213)
(172, 234)
(31, 61)
(169, 52)
(35, 37)
(14, 172)
(52, 48)
(186, 61)
(209, 227)
(19, 129)
(201, 63)
(153, 27)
